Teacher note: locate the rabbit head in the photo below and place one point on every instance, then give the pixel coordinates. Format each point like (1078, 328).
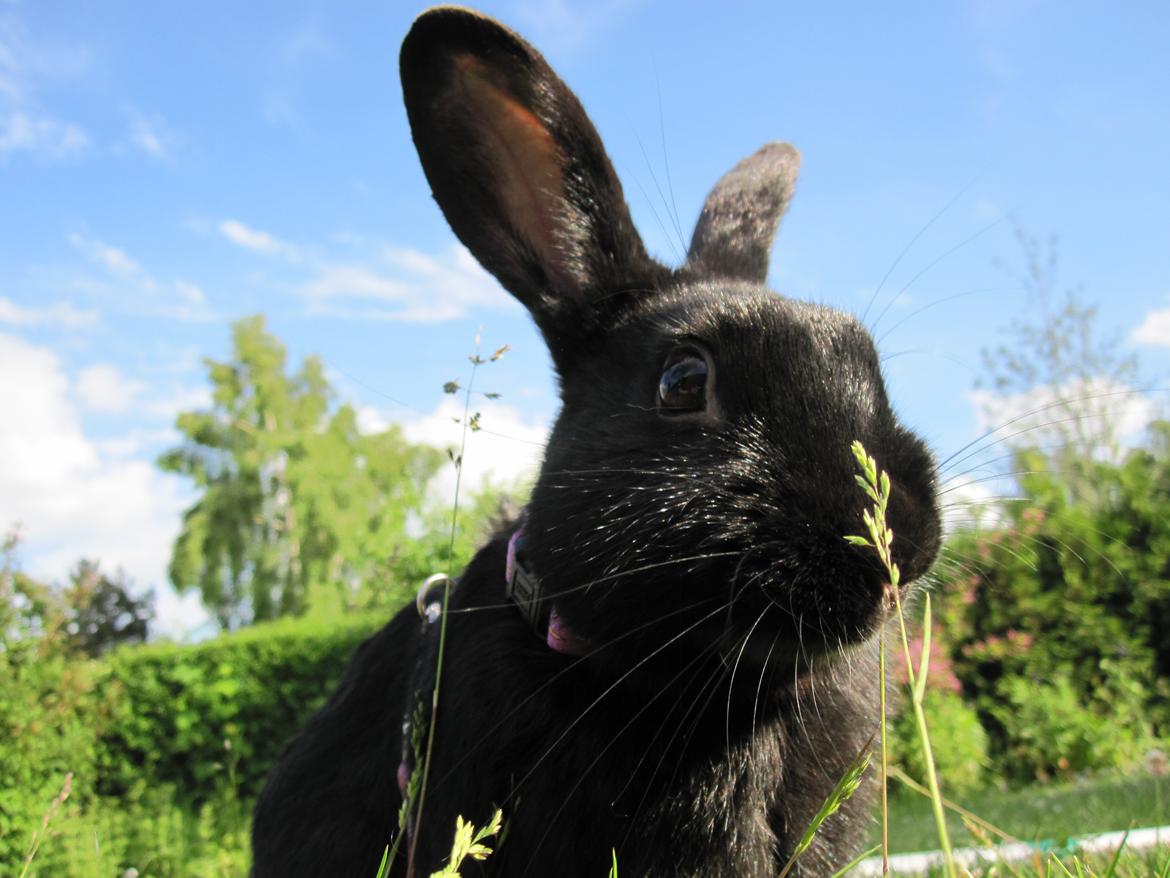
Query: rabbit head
(699, 478)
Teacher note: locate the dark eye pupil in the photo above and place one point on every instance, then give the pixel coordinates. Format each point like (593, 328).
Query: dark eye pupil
(683, 385)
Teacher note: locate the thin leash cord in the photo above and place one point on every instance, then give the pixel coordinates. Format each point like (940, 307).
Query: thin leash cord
(426, 768)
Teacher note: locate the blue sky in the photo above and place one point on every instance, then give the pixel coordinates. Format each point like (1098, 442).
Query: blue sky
(166, 169)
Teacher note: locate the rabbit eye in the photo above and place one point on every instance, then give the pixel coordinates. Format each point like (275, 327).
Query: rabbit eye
(683, 385)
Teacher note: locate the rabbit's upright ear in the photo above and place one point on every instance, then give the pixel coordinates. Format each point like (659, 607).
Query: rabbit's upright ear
(519, 170)
(733, 237)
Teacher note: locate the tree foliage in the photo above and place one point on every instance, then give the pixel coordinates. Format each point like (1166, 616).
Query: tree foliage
(102, 612)
(299, 509)
(1067, 380)
(1060, 611)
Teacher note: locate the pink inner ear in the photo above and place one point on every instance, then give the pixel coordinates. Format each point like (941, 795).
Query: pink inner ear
(526, 160)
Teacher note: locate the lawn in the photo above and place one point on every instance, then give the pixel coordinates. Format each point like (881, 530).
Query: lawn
(162, 841)
(1048, 814)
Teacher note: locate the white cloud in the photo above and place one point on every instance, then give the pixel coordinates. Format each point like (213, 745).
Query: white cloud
(59, 314)
(1043, 415)
(1154, 330)
(405, 285)
(191, 293)
(255, 239)
(24, 126)
(136, 442)
(71, 498)
(507, 449)
(110, 258)
(178, 399)
(151, 136)
(179, 299)
(103, 388)
(29, 131)
(354, 282)
(387, 283)
(971, 500)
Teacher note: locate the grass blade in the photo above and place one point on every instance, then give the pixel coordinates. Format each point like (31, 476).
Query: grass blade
(924, 659)
(1117, 856)
(840, 794)
(856, 861)
(384, 866)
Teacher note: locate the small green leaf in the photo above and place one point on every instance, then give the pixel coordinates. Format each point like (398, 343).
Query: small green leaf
(451, 387)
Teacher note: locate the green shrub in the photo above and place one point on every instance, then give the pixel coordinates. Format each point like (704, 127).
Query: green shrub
(1066, 600)
(186, 715)
(153, 835)
(167, 744)
(48, 722)
(1049, 733)
(48, 716)
(957, 739)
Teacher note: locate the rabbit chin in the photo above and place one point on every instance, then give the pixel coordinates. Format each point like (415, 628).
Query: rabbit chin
(777, 641)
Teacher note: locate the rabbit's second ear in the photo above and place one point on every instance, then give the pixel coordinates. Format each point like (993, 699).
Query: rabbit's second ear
(733, 237)
(519, 170)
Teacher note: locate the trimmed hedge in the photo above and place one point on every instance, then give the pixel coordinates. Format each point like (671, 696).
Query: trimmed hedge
(198, 717)
(193, 726)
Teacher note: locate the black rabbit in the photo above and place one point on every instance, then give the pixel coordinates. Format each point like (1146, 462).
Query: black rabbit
(703, 665)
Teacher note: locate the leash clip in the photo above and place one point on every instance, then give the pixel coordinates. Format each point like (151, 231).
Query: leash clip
(429, 600)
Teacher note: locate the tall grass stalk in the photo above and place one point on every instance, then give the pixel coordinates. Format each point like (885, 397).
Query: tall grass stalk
(885, 753)
(469, 423)
(880, 538)
(39, 835)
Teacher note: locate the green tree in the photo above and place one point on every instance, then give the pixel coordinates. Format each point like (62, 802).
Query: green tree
(298, 509)
(101, 612)
(1067, 379)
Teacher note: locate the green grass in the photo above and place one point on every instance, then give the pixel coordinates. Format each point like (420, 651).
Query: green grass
(1130, 864)
(1051, 813)
(163, 840)
(156, 837)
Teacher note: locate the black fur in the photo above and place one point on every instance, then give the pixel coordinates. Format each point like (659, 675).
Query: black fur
(731, 672)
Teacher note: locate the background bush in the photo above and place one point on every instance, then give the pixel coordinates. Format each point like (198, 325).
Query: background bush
(1056, 616)
(957, 739)
(197, 725)
(186, 713)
